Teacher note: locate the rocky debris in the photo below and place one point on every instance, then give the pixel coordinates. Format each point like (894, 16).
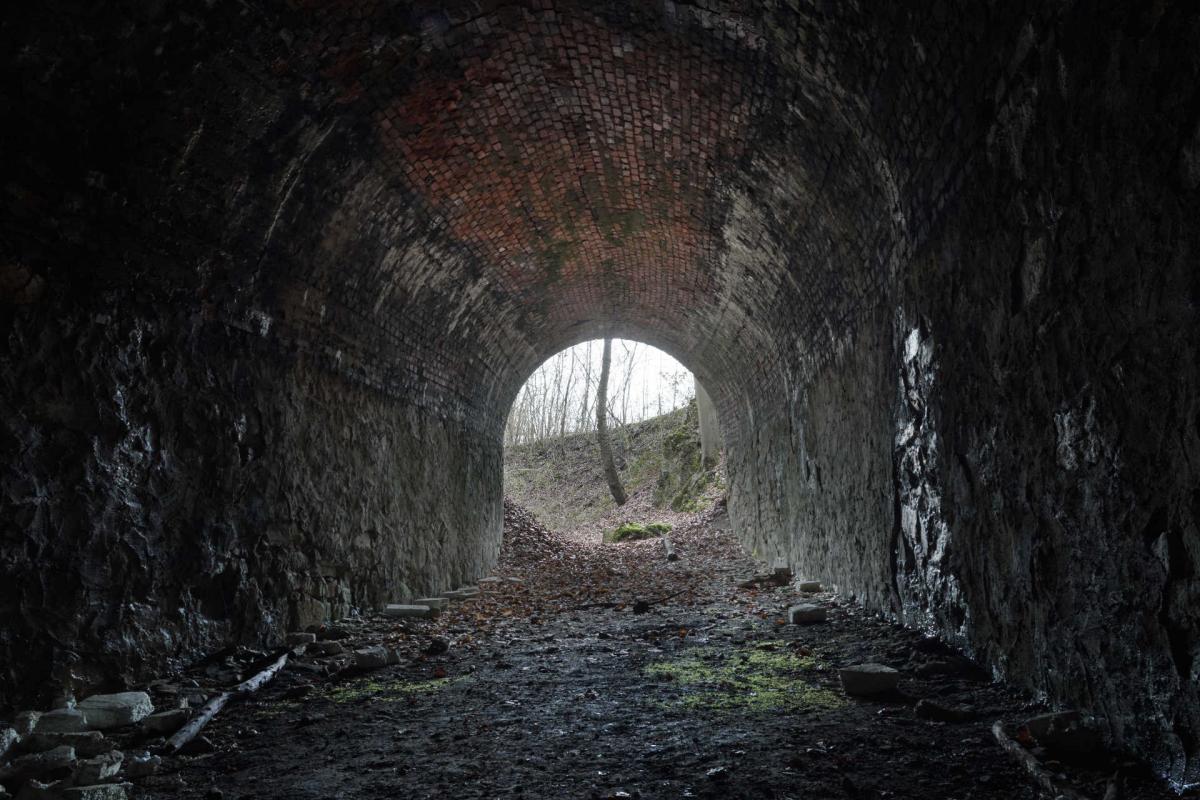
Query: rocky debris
(809, 586)
(300, 637)
(458, 595)
(91, 771)
(781, 572)
(9, 738)
(437, 646)
(864, 680)
(807, 614)
(105, 711)
(371, 657)
(86, 743)
(140, 765)
(50, 764)
(62, 720)
(932, 710)
(166, 722)
(436, 603)
(400, 611)
(25, 722)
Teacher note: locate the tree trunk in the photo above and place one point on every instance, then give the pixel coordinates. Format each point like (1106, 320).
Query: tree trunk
(606, 456)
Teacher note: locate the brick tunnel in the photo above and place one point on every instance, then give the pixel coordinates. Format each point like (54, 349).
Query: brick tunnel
(272, 273)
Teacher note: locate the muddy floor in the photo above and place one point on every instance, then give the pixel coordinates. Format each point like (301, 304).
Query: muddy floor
(611, 672)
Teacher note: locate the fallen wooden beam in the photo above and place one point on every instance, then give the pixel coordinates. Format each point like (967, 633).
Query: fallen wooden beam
(214, 706)
(1028, 760)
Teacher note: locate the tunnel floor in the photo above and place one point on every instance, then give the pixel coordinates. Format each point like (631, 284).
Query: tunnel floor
(559, 687)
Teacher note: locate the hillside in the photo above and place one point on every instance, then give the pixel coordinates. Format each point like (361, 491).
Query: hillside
(560, 480)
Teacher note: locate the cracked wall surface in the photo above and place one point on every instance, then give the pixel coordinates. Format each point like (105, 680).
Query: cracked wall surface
(273, 272)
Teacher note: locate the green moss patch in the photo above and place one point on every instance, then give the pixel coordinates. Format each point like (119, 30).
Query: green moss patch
(753, 680)
(389, 691)
(633, 532)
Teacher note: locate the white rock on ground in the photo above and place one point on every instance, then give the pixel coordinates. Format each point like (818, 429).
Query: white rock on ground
(401, 611)
(810, 586)
(166, 722)
(104, 711)
(437, 603)
(867, 679)
(8, 739)
(91, 771)
(371, 658)
(105, 791)
(62, 720)
(807, 614)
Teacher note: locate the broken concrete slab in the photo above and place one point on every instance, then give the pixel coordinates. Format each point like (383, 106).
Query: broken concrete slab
(40, 765)
(371, 658)
(91, 771)
(86, 743)
(436, 603)
(810, 586)
(807, 614)
(105, 711)
(62, 720)
(403, 611)
(864, 680)
(166, 722)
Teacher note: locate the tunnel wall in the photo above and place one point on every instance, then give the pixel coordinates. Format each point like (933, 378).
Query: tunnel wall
(1007, 454)
(178, 485)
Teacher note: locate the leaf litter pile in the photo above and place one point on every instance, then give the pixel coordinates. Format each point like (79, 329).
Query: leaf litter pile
(606, 671)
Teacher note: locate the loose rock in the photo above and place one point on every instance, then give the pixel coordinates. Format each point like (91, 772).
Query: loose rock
(39, 765)
(436, 603)
(105, 711)
(142, 764)
(810, 586)
(62, 720)
(864, 680)
(807, 614)
(94, 770)
(86, 743)
(401, 611)
(370, 658)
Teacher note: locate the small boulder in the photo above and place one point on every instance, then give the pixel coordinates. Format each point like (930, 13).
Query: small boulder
(91, 771)
(807, 614)
(401, 611)
(864, 680)
(62, 720)
(105, 711)
(370, 658)
(166, 722)
(810, 586)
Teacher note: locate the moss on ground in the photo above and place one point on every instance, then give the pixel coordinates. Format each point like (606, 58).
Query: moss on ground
(753, 680)
(387, 691)
(634, 532)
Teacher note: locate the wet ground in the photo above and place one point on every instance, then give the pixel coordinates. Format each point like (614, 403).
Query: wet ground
(560, 688)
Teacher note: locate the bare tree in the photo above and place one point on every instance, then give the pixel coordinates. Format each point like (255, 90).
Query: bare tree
(606, 456)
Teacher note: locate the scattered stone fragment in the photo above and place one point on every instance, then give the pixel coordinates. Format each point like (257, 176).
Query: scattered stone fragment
(41, 765)
(86, 743)
(25, 722)
(863, 680)
(370, 658)
(929, 709)
(401, 611)
(105, 711)
(327, 648)
(807, 614)
(94, 770)
(300, 637)
(139, 765)
(781, 572)
(9, 738)
(62, 720)
(106, 791)
(166, 722)
(810, 586)
(437, 603)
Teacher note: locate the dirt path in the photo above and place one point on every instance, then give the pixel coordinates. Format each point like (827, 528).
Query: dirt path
(559, 689)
